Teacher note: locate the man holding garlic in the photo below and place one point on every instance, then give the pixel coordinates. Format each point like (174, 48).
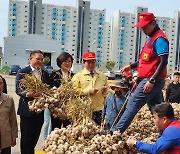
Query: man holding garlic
(151, 68)
(92, 82)
(169, 142)
(30, 122)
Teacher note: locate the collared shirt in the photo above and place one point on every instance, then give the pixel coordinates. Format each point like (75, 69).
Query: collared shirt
(36, 72)
(83, 82)
(109, 111)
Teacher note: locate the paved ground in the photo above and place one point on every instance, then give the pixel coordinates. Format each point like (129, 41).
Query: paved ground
(11, 91)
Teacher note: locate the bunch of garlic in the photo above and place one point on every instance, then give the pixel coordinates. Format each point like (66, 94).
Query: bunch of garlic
(84, 140)
(38, 104)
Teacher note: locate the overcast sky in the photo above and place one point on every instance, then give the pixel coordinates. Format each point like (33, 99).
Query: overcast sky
(162, 8)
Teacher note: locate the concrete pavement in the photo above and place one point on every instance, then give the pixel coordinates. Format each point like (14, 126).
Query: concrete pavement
(11, 91)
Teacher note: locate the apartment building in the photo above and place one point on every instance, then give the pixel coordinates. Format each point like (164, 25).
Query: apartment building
(80, 28)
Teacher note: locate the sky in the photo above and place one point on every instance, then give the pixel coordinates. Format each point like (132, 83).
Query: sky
(161, 8)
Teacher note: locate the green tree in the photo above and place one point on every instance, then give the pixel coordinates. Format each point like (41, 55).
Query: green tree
(46, 60)
(5, 69)
(110, 65)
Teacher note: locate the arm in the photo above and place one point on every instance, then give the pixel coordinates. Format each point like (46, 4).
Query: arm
(129, 67)
(13, 122)
(163, 63)
(134, 65)
(168, 139)
(19, 76)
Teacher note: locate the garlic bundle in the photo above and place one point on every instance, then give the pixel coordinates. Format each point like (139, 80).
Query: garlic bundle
(66, 103)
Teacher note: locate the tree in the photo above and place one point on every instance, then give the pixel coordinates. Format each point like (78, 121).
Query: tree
(110, 65)
(46, 60)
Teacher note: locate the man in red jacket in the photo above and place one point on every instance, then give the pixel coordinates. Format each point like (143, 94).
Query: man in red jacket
(169, 142)
(151, 68)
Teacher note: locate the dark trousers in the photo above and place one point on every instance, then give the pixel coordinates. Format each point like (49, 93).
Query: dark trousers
(58, 123)
(30, 131)
(6, 150)
(97, 116)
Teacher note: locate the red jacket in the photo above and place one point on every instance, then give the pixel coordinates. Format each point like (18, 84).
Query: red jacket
(148, 61)
(174, 149)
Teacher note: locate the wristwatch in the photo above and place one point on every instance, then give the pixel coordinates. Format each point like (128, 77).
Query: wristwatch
(152, 80)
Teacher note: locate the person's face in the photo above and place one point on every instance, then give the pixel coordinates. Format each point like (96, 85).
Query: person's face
(66, 65)
(176, 78)
(118, 91)
(159, 121)
(1, 85)
(90, 65)
(36, 60)
(148, 28)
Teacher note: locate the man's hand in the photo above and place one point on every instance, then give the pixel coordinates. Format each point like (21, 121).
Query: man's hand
(130, 141)
(125, 69)
(93, 91)
(33, 94)
(148, 87)
(13, 142)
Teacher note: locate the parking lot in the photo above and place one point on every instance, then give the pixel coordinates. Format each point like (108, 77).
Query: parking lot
(10, 79)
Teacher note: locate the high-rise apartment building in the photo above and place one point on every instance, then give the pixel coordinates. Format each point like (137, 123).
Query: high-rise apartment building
(18, 18)
(35, 16)
(127, 41)
(122, 39)
(80, 29)
(176, 34)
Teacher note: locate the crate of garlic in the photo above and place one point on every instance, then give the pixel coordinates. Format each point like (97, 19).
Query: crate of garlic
(87, 139)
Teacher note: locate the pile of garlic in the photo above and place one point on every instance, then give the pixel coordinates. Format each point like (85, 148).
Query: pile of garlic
(88, 139)
(83, 140)
(143, 125)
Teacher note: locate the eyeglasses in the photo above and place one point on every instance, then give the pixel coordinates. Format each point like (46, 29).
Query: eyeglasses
(67, 61)
(39, 59)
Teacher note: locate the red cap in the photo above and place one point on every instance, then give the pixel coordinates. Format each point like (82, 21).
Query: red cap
(144, 19)
(89, 55)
